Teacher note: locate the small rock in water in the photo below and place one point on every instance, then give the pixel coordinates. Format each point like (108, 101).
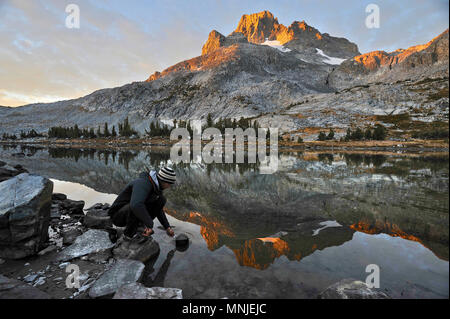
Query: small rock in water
(2, 261)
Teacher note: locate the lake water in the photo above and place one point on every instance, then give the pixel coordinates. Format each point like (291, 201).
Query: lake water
(320, 218)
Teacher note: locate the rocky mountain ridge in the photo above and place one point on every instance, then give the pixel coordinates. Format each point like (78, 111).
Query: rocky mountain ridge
(294, 78)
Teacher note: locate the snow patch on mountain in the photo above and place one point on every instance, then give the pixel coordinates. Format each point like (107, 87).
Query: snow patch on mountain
(276, 44)
(330, 60)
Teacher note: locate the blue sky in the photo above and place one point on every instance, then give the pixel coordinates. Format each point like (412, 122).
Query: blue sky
(124, 41)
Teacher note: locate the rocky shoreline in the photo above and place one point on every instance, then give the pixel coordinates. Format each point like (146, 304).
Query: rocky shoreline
(72, 238)
(52, 247)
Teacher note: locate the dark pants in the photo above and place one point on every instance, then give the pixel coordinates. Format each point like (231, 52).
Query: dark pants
(124, 217)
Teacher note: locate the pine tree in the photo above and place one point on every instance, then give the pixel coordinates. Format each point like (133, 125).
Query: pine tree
(379, 133)
(106, 130)
(358, 134)
(330, 134)
(322, 136)
(209, 121)
(368, 134)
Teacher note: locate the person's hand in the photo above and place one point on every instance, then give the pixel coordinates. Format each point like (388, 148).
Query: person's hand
(147, 232)
(170, 232)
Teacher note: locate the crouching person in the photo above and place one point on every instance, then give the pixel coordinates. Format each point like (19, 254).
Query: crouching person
(140, 202)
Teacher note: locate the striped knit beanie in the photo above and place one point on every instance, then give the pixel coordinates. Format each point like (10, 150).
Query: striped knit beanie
(167, 174)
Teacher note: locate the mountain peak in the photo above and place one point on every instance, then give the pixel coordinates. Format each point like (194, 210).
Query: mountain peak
(215, 40)
(258, 26)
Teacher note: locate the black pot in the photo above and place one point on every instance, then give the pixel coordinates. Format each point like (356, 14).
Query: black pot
(181, 241)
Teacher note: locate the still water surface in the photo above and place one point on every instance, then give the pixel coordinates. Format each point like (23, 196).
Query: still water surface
(321, 218)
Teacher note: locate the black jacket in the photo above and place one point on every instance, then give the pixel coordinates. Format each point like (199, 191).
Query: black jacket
(146, 201)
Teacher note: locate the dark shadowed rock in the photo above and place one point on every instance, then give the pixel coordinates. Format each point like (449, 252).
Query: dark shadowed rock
(25, 202)
(94, 240)
(351, 289)
(97, 218)
(123, 272)
(133, 250)
(72, 207)
(6, 171)
(99, 206)
(15, 289)
(59, 196)
(139, 291)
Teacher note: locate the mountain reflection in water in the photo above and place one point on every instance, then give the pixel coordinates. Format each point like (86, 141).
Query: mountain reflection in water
(264, 222)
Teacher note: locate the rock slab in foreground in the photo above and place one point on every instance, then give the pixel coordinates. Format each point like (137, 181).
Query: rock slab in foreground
(124, 271)
(351, 289)
(139, 291)
(133, 250)
(15, 289)
(94, 240)
(25, 202)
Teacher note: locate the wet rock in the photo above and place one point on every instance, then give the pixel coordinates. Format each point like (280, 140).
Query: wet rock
(47, 250)
(39, 282)
(70, 235)
(99, 206)
(72, 207)
(15, 289)
(25, 202)
(351, 289)
(139, 291)
(134, 250)
(30, 278)
(59, 196)
(55, 213)
(123, 272)
(94, 240)
(97, 218)
(6, 171)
